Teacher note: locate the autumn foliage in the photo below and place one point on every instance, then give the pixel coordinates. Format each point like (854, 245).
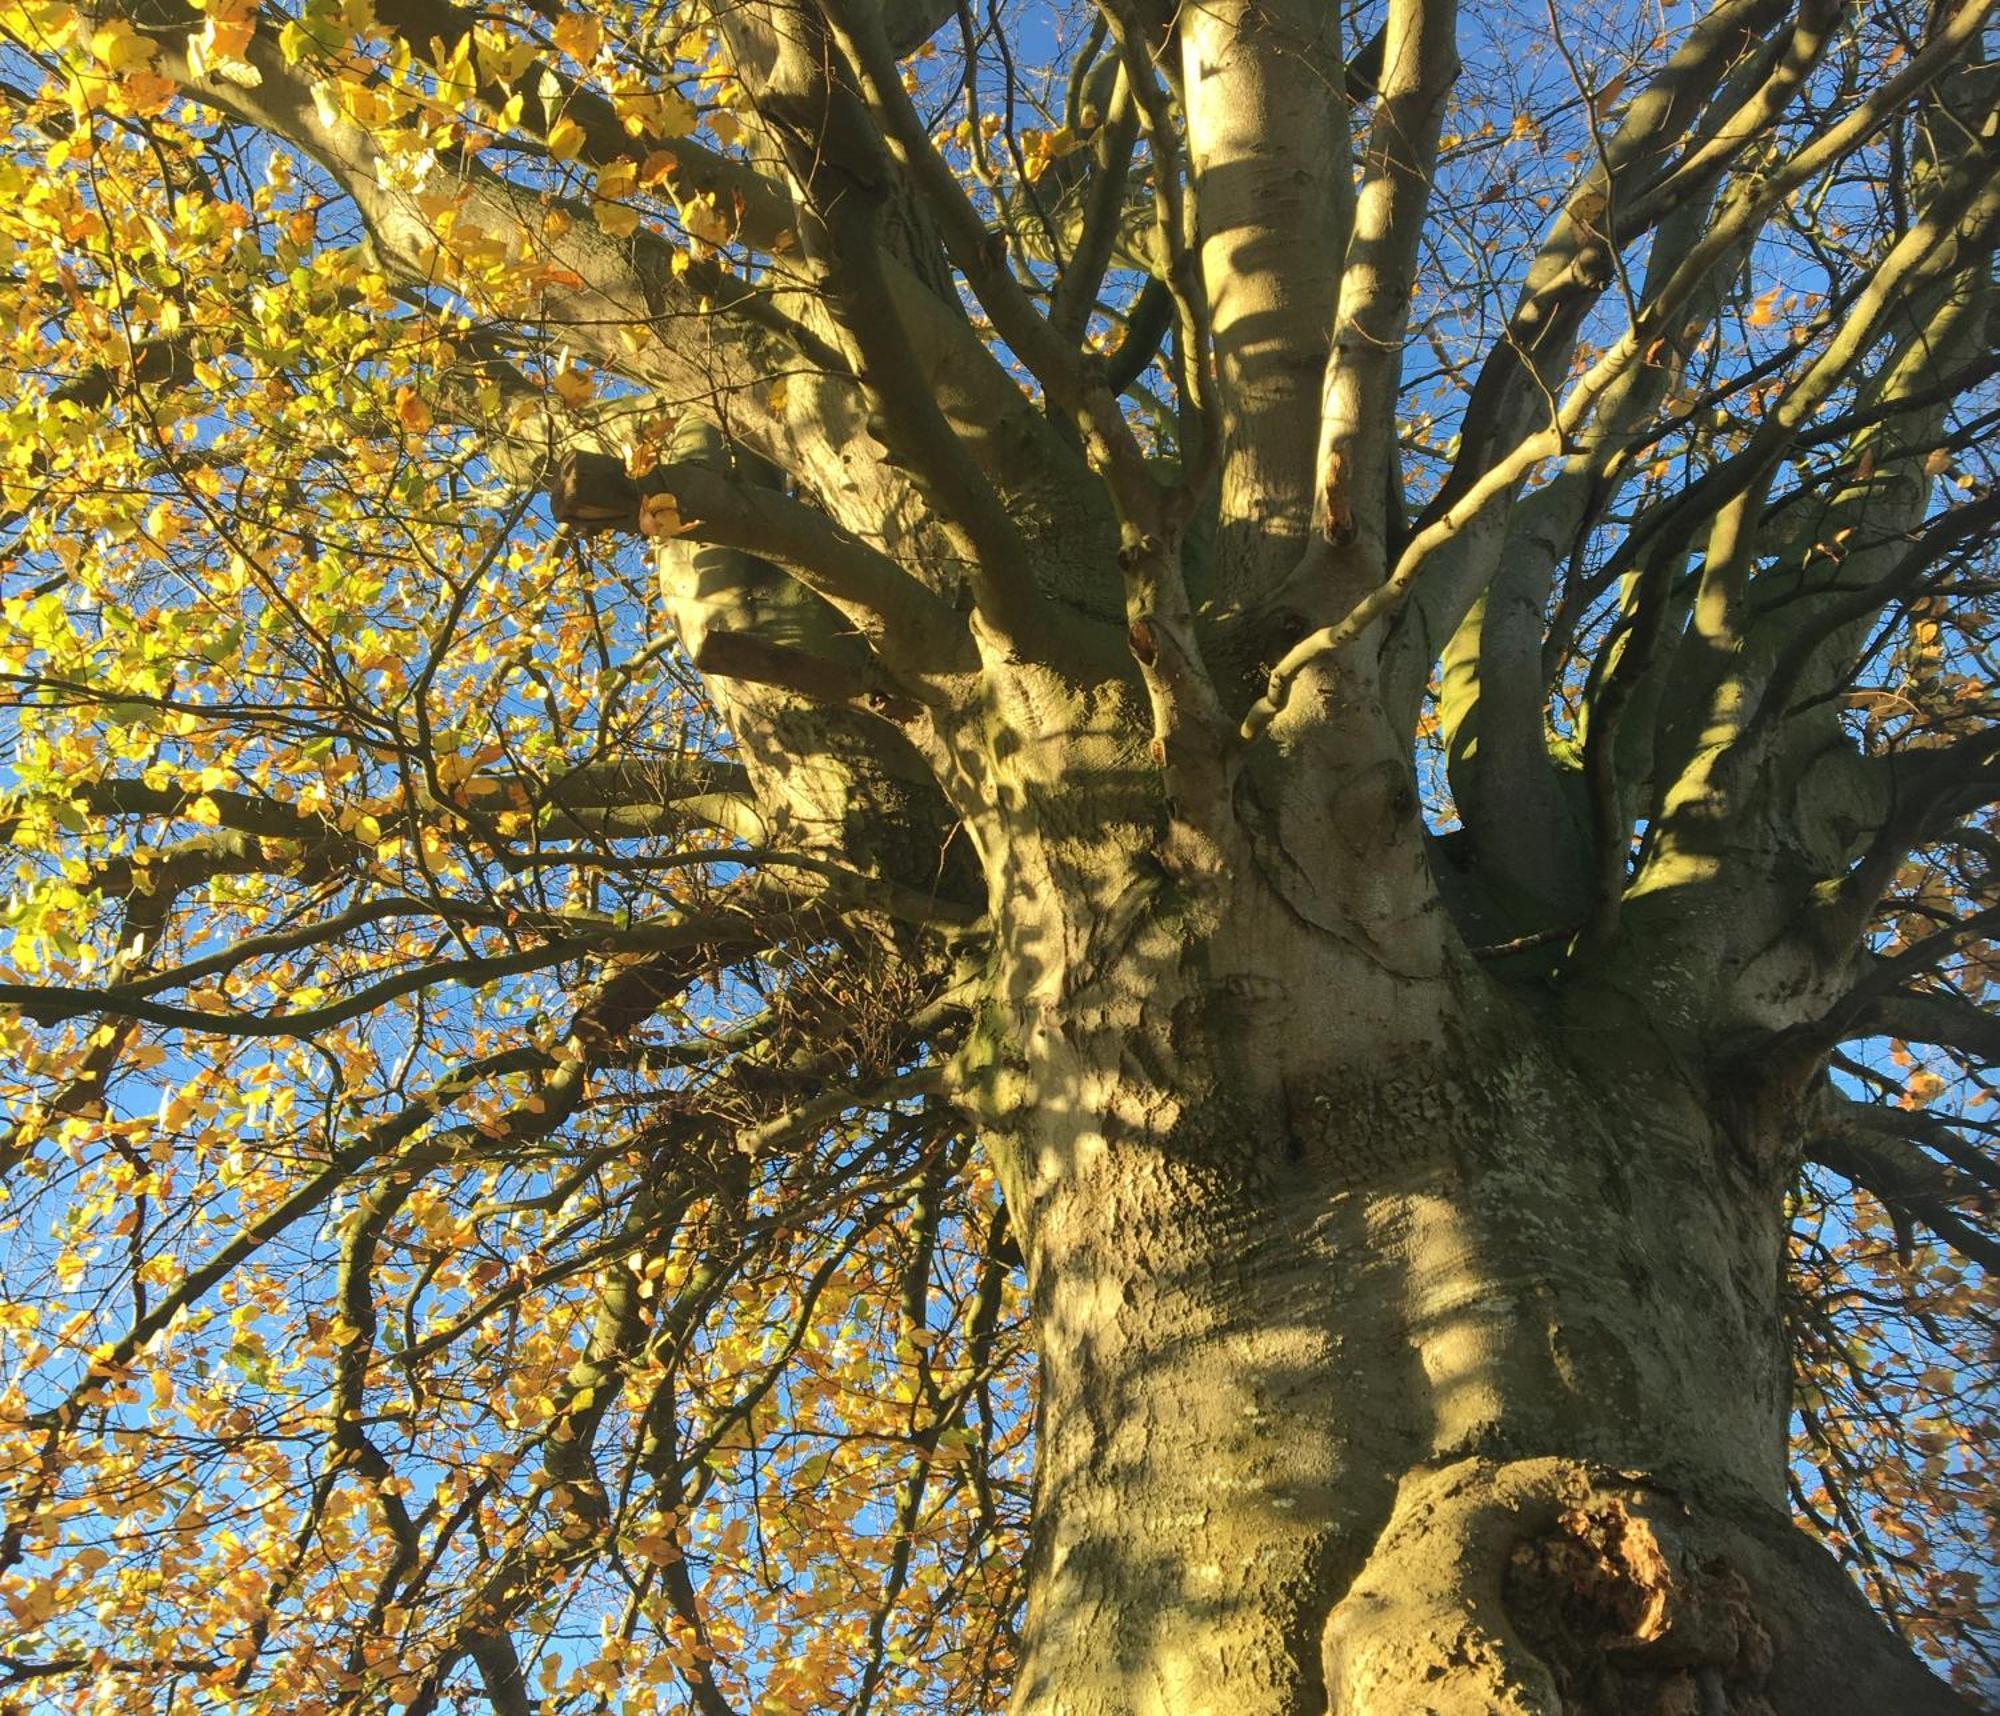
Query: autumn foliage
(479, 1216)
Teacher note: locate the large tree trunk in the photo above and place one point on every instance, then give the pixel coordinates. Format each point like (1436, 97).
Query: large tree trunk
(1447, 1384)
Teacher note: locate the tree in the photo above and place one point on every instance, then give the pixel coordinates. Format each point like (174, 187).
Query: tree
(765, 757)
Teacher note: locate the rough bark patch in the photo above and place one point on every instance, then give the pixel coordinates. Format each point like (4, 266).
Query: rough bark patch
(1629, 1627)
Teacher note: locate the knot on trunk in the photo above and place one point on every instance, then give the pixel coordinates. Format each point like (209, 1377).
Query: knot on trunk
(1544, 1587)
(1628, 1625)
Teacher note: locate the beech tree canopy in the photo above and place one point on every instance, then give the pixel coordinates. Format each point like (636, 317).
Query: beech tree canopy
(875, 856)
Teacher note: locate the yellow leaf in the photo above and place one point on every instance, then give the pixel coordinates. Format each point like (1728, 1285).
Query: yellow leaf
(574, 388)
(1765, 311)
(118, 47)
(658, 1548)
(579, 37)
(217, 51)
(662, 113)
(411, 411)
(1040, 148)
(142, 93)
(35, 1604)
(565, 139)
(704, 220)
(616, 220)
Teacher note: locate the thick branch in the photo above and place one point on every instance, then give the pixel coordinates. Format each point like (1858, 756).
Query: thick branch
(1909, 1184)
(900, 616)
(1268, 155)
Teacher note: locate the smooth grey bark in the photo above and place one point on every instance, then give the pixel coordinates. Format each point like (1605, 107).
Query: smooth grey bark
(1406, 1344)
(1441, 1383)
